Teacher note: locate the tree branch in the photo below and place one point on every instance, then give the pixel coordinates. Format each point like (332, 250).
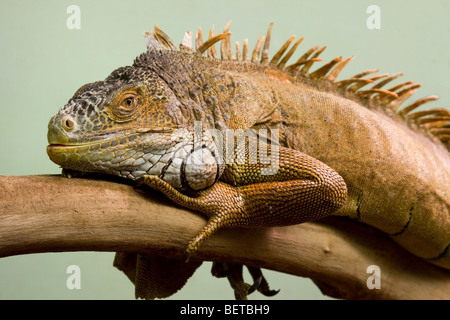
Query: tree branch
(51, 213)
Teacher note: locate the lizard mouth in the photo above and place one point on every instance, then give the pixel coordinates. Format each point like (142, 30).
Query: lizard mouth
(84, 154)
(63, 153)
(70, 154)
(59, 140)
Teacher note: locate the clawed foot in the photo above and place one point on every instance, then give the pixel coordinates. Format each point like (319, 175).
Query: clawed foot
(221, 202)
(224, 205)
(233, 272)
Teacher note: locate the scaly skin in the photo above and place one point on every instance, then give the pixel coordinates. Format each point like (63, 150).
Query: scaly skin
(316, 147)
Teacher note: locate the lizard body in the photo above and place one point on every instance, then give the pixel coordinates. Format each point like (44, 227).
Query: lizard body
(303, 146)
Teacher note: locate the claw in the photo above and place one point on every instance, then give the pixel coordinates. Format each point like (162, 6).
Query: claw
(263, 287)
(255, 285)
(186, 257)
(68, 173)
(233, 272)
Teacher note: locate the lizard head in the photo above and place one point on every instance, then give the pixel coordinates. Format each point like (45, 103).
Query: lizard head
(127, 125)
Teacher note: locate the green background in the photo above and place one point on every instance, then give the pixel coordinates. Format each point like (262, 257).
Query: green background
(42, 63)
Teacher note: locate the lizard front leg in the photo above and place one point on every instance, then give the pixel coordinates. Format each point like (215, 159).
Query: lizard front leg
(221, 202)
(302, 189)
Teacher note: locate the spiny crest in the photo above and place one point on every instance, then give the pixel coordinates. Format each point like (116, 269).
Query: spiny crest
(434, 121)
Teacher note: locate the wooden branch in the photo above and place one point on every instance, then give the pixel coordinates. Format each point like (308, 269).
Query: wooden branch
(51, 213)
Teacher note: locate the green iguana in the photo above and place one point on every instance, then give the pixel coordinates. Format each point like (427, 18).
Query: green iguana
(253, 142)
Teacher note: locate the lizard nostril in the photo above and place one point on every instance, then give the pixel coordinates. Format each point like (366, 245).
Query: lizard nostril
(68, 124)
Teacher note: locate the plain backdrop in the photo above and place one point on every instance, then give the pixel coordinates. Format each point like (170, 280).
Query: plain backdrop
(42, 63)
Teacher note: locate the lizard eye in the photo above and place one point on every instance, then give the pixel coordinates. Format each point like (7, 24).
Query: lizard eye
(126, 104)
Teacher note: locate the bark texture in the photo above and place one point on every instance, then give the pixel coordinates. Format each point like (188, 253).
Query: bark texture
(51, 213)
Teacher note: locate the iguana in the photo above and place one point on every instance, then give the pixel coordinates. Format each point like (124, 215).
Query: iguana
(257, 142)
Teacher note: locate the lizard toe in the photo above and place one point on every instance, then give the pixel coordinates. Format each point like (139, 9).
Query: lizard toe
(263, 286)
